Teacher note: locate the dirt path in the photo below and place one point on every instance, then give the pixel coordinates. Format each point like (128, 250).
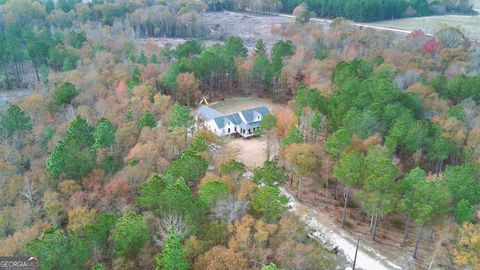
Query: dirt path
(331, 235)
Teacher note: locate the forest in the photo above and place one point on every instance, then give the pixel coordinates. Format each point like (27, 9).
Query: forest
(104, 167)
(359, 10)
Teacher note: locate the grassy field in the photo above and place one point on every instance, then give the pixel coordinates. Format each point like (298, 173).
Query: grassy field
(469, 24)
(233, 105)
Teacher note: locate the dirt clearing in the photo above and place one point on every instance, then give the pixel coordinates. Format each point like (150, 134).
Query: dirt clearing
(252, 151)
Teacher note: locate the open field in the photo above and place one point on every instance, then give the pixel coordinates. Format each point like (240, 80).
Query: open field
(469, 24)
(232, 105)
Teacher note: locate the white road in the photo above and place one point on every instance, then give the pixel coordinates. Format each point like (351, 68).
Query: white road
(329, 234)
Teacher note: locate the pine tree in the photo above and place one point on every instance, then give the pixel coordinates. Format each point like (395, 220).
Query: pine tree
(173, 257)
(104, 134)
(147, 120)
(14, 119)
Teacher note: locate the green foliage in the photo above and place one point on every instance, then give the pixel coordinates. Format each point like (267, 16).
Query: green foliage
(463, 183)
(379, 189)
(67, 5)
(463, 87)
(354, 69)
(349, 169)
(75, 39)
(464, 212)
(143, 59)
(270, 202)
(74, 157)
(268, 123)
(98, 266)
(48, 134)
(372, 10)
(62, 59)
(270, 174)
(190, 166)
(430, 201)
(234, 47)
(456, 112)
(147, 120)
(311, 98)
(260, 47)
(316, 121)
(188, 49)
(210, 191)
(154, 59)
(293, 136)
(129, 114)
(104, 134)
(199, 143)
(80, 134)
(180, 117)
(337, 142)
(173, 257)
(262, 71)
(60, 250)
(43, 70)
(98, 234)
(280, 50)
(232, 167)
(63, 94)
(134, 79)
(362, 124)
(407, 189)
(14, 120)
(168, 195)
(111, 165)
(270, 266)
(130, 234)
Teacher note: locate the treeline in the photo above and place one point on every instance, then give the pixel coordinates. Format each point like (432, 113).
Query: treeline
(360, 10)
(198, 69)
(363, 10)
(40, 36)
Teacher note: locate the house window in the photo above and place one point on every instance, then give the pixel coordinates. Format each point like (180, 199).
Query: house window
(258, 117)
(228, 130)
(235, 128)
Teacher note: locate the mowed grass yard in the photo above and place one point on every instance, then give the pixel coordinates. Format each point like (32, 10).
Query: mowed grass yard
(469, 24)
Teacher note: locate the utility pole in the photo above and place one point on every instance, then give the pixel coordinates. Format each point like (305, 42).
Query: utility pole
(356, 251)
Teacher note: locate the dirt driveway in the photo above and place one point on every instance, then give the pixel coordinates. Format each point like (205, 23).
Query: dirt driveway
(252, 152)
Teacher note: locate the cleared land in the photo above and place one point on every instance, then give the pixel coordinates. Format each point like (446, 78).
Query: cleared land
(252, 151)
(470, 24)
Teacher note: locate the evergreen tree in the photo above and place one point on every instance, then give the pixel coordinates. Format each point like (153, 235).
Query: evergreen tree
(147, 120)
(293, 136)
(173, 256)
(14, 119)
(104, 134)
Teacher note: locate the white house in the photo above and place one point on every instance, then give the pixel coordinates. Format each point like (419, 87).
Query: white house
(244, 123)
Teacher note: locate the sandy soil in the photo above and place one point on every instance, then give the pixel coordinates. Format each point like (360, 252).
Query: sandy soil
(251, 151)
(250, 28)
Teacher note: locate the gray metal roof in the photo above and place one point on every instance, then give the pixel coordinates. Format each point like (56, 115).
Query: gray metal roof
(207, 113)
(221, 121)
(249, 114)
